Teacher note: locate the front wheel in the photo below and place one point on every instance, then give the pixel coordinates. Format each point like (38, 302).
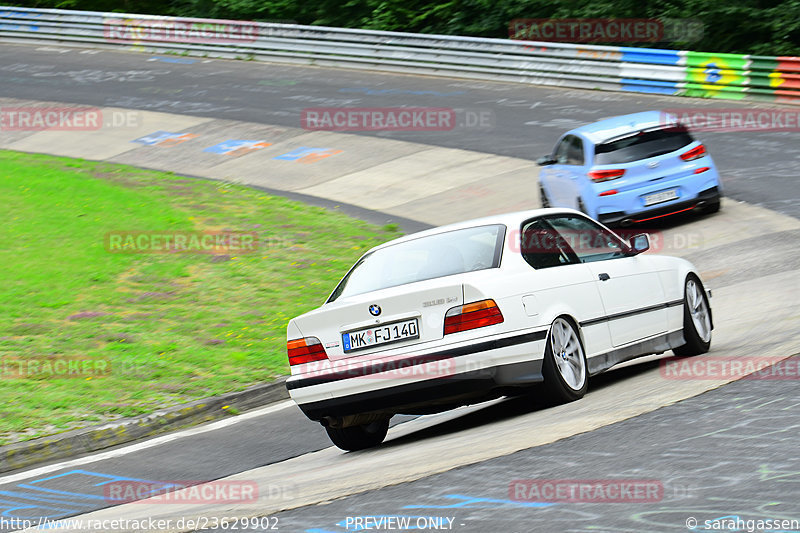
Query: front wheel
(354, 438)
(696, 320)
(564, 366)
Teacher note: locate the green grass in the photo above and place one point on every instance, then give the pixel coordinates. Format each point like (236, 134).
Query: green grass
(171, 327)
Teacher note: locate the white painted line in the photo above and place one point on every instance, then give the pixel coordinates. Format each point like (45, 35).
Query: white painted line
(146, 444)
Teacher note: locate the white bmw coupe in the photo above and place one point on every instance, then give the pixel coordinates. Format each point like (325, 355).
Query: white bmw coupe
(480, 309)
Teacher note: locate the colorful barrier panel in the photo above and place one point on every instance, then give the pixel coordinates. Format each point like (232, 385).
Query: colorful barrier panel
(614, 68)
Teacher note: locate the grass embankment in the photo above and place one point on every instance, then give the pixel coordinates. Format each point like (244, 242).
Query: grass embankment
(156, 329)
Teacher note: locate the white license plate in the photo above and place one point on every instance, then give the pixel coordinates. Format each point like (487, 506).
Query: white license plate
(379, 335)
(659, 197)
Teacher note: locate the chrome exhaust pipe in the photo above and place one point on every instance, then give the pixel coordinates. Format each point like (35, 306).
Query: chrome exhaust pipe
(329, 421)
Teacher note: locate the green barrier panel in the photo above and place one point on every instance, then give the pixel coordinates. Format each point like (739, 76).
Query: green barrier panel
(764, 80)
(701, 90)
(716, 75)
(764, 63)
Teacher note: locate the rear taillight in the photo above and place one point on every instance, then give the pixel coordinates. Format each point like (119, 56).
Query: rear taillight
(701, 170)
(599, 176)
(471, 316)
(305, 351)
(608, 193)
(695, 153)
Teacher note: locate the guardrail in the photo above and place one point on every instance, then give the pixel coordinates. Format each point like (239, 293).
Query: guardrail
(647, 70)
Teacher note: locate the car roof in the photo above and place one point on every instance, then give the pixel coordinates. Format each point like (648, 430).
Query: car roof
(508, 219)
(608, 128)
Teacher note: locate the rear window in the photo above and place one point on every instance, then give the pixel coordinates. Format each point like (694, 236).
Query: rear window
(434, 256)
(644, 144)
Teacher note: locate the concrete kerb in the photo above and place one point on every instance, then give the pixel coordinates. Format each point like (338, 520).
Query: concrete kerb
(86, 440)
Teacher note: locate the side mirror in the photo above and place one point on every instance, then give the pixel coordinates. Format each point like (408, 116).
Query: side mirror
(546, 160)
(640, 243)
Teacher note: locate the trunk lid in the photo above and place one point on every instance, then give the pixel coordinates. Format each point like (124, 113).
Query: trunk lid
(374, 322)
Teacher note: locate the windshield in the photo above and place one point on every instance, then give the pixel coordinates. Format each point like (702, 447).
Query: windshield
(434, 256)
(642, 145)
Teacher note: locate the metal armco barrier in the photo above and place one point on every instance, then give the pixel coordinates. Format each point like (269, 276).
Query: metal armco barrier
(647, 70)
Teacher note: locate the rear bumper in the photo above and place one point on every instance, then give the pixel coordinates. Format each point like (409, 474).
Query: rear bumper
(706, 197)
(430, 395)
(423, 382)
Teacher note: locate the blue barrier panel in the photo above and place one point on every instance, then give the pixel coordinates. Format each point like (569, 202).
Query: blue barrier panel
(652, 56)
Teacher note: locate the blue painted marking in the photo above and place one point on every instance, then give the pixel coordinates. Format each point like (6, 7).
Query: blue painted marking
(653, 87)
(298, 153)
(109, 477)
(57, 503)
(105, 477)
(157, 137)
(652, 56)
(469, 500)
(304, 152)
(18, 27)
(38, 498)
(179, 60)
(230, 146)
(9, 507)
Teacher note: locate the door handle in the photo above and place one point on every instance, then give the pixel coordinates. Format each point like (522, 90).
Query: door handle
(604, 277)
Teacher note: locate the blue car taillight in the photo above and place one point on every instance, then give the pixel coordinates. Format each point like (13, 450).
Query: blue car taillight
(599, 176)
(695, 153)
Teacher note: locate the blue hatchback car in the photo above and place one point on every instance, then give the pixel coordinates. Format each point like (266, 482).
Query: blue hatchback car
(629, 169)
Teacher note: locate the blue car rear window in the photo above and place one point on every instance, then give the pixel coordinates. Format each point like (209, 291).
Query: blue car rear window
(641, 145)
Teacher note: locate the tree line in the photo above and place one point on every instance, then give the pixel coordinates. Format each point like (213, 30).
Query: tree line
(762, 27)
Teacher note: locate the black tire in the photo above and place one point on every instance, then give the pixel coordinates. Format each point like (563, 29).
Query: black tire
(354, 438)
(543, 197)
(557, 388)
(697, 342)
